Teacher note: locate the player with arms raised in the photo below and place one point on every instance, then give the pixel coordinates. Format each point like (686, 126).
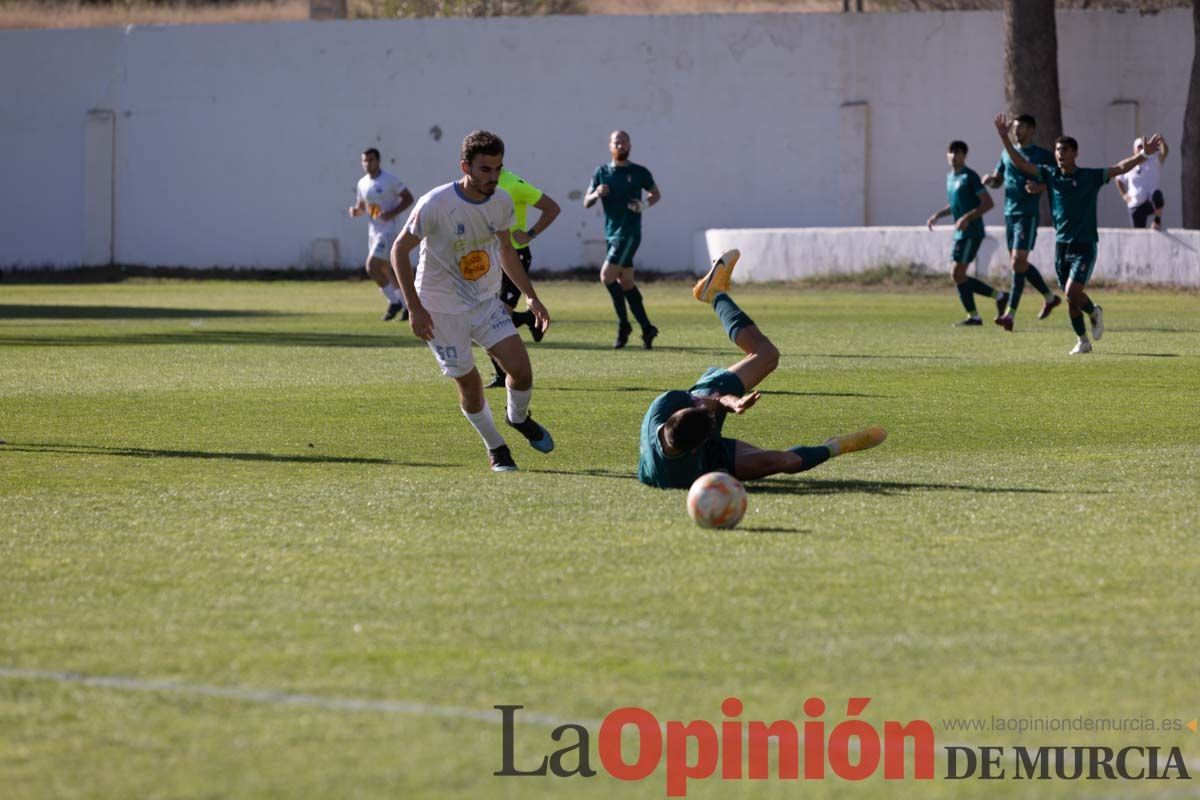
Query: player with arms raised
(1073, 191)
(463, 231)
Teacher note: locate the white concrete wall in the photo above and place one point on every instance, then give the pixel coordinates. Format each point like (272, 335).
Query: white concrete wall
(238, 145)
(781, 254)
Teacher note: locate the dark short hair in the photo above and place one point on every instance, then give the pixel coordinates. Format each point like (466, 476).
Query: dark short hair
(958, 145)
(481, 143)
(688, 428)
(371, 151)
(1027, 119)
(1067, 141)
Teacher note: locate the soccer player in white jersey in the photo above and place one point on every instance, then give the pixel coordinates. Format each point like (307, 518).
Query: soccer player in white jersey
(462, 228)
(383, 198)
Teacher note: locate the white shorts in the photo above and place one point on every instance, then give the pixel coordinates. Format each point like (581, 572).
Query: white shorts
(486, 324)
(379, 245)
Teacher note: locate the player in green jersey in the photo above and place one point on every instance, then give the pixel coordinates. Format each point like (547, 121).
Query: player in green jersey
(969, 201)
(619, 185)
(1021, 218)
(681, 431)
(1073, 191)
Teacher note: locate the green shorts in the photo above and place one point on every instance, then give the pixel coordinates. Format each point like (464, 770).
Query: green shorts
(718, 453)
(965, 250)
(622, 249)
(1021, 231)
(1074, 261)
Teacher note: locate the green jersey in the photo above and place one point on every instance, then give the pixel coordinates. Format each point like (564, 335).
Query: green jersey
(625, 184)
(655, 467)
(963, 189)
(1016, 200)
(1073, 201)
(523, 196)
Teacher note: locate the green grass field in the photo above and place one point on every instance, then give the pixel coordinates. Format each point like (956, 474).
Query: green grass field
(258, 487)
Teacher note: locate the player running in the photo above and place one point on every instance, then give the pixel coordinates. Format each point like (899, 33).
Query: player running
(1073, 192)
(1021, 219)
(681, 432)
(382, 197)
(463, 230)
(618, 185)
(969, 201)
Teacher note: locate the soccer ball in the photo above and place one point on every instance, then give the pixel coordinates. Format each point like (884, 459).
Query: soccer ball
(716, 500)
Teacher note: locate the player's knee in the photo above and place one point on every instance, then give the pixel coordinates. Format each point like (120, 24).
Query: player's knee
(769, 354)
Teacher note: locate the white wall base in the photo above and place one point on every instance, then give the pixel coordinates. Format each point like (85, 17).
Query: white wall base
(784, 254)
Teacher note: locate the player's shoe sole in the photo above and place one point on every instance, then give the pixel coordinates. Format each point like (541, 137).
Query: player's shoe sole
(1081, 347)
(717, 279)
(862, 440)
(1097, 323)
(501, 459)
(538, 437)
(969, 322)
(1049, 306)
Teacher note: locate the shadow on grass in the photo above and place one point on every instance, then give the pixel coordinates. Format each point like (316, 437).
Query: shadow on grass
(1146, 355)
(1155, 330)
(887, 488)
(570, 345)
(16, 311)
(660, 390)
(874, 356)
(144, 452)
(203, 337)
(761, 529)
(586, 473)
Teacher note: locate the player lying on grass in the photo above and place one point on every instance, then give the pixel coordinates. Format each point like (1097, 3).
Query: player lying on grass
(1073, 191)
(681, 432)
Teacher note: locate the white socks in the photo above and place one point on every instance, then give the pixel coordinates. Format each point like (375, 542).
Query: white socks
(483, 423)
(392, 293)
(518, 404)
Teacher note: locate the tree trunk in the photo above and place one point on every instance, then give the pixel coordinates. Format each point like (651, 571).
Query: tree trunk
(1031, 66)
(1190, 147)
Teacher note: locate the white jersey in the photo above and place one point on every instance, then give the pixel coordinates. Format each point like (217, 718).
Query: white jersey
(459, 266)
(1141, 181)
(381, 194)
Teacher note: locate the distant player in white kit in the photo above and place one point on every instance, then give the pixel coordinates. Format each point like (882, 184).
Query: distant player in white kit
(462, 228)
(383, 198)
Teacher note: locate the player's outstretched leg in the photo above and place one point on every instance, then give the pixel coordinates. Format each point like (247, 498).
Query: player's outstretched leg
(762, 357)
(751, 463)
(514, 359)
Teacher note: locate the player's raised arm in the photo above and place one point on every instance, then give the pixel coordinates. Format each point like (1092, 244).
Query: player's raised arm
(419, 319)
(1019, 161)
(1149, 148)
(511, 264)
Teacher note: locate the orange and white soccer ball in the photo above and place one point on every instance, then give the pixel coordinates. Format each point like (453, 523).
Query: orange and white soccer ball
(716, 500)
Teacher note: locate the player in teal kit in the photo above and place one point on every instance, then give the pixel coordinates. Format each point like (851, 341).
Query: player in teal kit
(619, 185)
(681, 432)
(1021, 218)
(969, 201)
(1073, 191)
